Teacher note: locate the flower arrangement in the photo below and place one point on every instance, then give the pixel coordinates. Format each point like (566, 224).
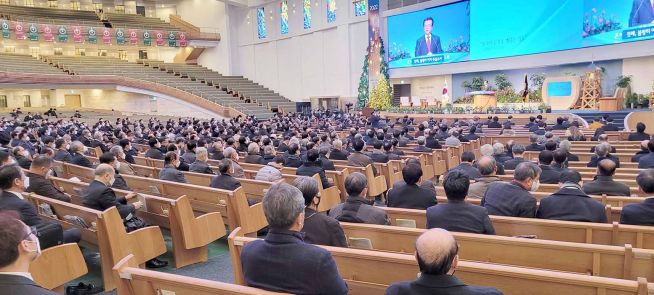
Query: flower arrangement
(458, 45)
(595, 23)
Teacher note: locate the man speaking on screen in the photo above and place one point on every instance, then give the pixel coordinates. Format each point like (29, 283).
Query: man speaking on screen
(642, 13)
(429, 43)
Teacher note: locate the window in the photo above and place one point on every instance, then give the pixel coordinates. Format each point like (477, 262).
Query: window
(102, 52)
(120, 9)
(360, 7)
(75, 5)
(307, 13)
(122, 54)
(80, 51)
(331, 11)
(59, 51)
(5, 2)
(27, 101)
(261, 23)
(29, 3)
(10, 49)
(35, 51)
(52, 3)
(283, 16)
(3, 101)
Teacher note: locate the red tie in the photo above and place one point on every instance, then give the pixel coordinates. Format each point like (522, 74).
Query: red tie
(429, 44)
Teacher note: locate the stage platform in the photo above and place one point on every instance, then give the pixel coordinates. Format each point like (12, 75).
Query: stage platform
(521, 118)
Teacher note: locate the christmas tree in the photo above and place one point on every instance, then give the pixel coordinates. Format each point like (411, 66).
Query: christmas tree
(383, 68)
(380, 98)
(362, 97)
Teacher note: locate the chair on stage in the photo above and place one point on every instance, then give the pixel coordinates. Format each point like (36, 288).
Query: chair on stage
(405, 101)
(415, 101)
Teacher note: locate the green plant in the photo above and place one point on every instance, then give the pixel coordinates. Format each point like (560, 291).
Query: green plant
(502, 82)
(623, 81)
(476, 84)
(631, 98)
(362, 96)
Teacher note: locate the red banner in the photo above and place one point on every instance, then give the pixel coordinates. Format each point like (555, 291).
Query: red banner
(47, 33)
(19, 28)
(77, 35)
(181, 36)
(159, 36)
(133, 37)
(106, 36)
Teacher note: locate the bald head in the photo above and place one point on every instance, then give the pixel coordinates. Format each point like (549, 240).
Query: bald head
(436, 251)
(487, 166)
(606, 167)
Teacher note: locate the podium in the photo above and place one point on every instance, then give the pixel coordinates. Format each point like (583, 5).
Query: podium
(483, 99)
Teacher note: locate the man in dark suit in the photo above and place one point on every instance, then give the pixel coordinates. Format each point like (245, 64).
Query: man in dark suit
(62, 153)
(279, 262)
(357, 207)
(78, 150)
(432, 141)
(641, 13)
(534, 146)
(602, 153)
(377, 155)
(471, 134)
(20, 246)
(225, 180)
(495, 123)
(119, 181)
(325, 162)
(640, 134)
(318, 229)
(644, 150)
(155, 152)
(517, 150)
(337, 152)
(312, 166)
(38, 183)
(409, 195)
(610, 126)
(514, 198)
(647, 161)
(428, 43)
(358, 158)
(388, 149)
(292, 157)
(560, 163)
(200, 165)
(641, 213)
(457, 215)
(604, 183)
(548, 174)
(437, 255)
(421, 145)
(12, 183)
(466, 167)
(171, 170)
(570, 203)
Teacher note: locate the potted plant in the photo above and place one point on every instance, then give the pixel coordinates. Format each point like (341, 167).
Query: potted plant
(643, 101)
(631, 100)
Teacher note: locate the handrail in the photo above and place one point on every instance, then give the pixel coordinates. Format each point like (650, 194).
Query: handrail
(193, 31)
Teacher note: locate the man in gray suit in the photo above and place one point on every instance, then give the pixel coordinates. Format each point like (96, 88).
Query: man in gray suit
(358, 158)
(356, 207)
(170, 172)
(200, 165)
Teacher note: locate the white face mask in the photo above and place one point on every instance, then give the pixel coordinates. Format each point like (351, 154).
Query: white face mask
(67, 146)
(38, 245)
(534, 185)
(117, 165)
(26, 182)
(111, 181)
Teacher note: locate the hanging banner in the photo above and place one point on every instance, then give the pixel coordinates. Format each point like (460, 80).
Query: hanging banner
(63, 34)
(182, 39)
(48, 36)
(120, 37)
(93, 36)
(172, 39)
(77, 35)
(6, 32)
(147, 40)
(106, 36)
(133, 37)
(159, 36)
(33, 33)
(19, 29)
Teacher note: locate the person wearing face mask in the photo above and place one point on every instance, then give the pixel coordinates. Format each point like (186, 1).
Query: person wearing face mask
(232, 155)
(225, 179)
(13, 183)
(129, 151)
(182, 166)
(283, 261)
(19, 246)
(62, 154)
(25, 143)
(78, 149)
(514, 198)
(38, 182)
(122, 166)
(170, 170)
(119, 182)
(437, 253)
(22, 157)
(319, 229)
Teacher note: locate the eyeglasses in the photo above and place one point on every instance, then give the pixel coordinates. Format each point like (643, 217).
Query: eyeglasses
(32, 231)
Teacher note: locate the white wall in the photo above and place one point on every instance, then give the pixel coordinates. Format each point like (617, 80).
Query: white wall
(641, 70)
(431, 86)
(325, 60)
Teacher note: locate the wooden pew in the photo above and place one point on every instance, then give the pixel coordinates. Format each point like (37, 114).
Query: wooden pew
(370, 272)
(57, 266)
(132, 280)
(585, 158)
(620, 262)
(623, 164)
(587, 177)
(555, 230)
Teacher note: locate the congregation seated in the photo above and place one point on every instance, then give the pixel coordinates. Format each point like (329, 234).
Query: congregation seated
(647, 161)
(313, 166)
(603, 182)
(518, 151)
(326, 163)
(602, 153)
(641, 213)
(421, 148)
(487, 167)
(437, 256)
(560, 163)
(62, 153)
(388, 150)
(565, 145)
(292, 157)
(271, 172)
(232, 155)
(570, 203)
(548, 174)
(640, 134)
(318, 228)
(487, 150)
(357, 208)
(644, 150)
(78, 150)
(408, 194)
(269, 155)
(574, 134)
(122, 165)
(129, 150)
(188, 153)
(457, 215)
(182, 166)
(110, 159)
(38, 183)
(225, 180)
(453, 140)
(170, 170)
(154, 152)
(19, 247)
(514, 198)
(432, 141)
(22, 156)
(282, 261)
(12, 184)
(377, 155)
(216, 151)
(253, 156)
(603, 139)
(358, 158)
(466, 167)
(534, 146)
(337, 152)
(499, 154)
(200, 165)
